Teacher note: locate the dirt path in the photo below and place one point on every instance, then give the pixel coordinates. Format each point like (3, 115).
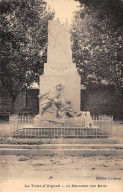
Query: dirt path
(59, 169)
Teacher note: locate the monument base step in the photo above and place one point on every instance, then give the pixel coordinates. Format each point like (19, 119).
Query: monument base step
(60, 141)
(59, 132)
(65, 149)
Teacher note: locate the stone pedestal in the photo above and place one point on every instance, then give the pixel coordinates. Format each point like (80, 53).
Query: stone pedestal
(71, 87)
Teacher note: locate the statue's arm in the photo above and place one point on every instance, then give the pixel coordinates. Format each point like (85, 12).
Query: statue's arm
(42, 95)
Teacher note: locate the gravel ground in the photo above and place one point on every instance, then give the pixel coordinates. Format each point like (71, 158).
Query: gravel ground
(20, 172)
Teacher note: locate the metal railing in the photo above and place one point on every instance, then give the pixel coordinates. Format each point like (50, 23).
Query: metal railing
(18, 122)
(22, 126)
(104, 123)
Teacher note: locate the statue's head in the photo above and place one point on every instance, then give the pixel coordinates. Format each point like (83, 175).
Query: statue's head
(59, 87)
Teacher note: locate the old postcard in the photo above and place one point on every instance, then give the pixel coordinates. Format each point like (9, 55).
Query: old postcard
(61, 100)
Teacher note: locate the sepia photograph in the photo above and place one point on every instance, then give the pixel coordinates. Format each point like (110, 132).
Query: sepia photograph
(61, 96)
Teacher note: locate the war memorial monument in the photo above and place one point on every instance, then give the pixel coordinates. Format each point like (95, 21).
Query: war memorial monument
(60, 97)
(60, 85)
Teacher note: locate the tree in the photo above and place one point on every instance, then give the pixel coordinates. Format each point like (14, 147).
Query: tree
(97, 42)
(24, 26)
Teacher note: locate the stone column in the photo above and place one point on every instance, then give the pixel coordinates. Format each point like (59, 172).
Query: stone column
(59, 68)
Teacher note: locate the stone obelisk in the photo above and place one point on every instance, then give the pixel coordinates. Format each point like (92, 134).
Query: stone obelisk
(59, 68)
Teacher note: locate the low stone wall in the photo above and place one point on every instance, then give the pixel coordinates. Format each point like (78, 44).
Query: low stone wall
(26, 102)
(102, 101)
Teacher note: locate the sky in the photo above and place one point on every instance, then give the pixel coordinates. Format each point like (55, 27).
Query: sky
(63, 9)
